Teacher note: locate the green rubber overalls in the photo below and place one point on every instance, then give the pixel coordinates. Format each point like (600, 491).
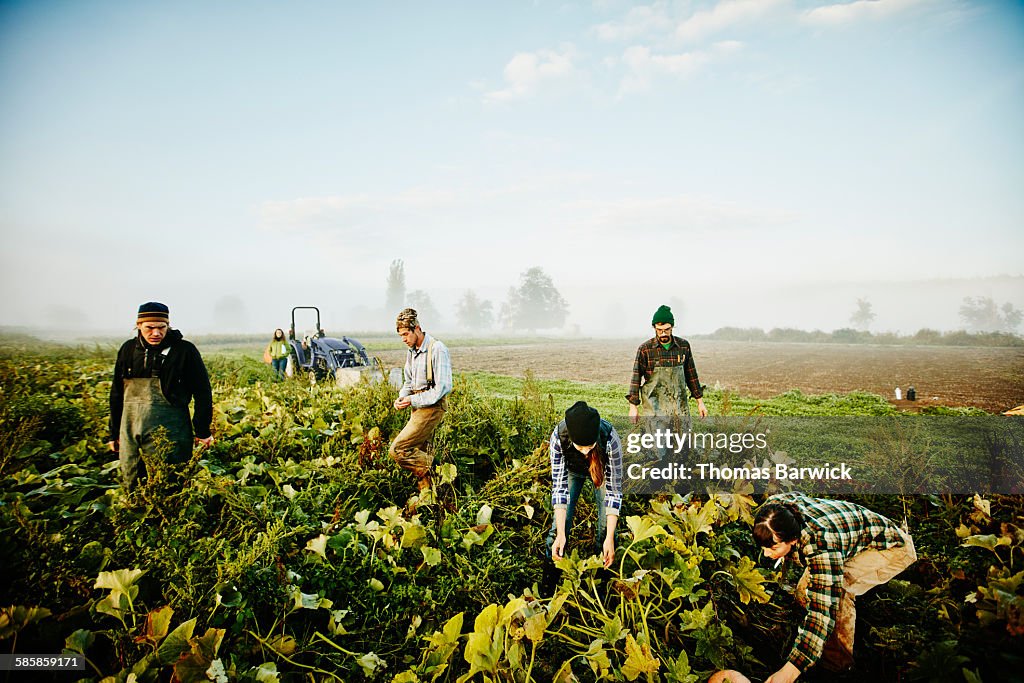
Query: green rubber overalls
(146, 410)
(663, 397)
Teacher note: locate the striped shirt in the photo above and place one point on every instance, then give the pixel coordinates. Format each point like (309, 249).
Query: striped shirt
(652, 354)
(612, 474)
(415, 385)
(834, 531)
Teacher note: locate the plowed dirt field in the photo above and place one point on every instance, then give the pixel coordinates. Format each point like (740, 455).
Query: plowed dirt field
(987, 378)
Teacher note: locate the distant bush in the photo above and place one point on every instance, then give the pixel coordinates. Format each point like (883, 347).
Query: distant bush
(847, 335)
(739, 334)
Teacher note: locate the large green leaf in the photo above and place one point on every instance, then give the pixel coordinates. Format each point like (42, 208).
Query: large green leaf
(80, 641)
(176, 643)
(987, 541)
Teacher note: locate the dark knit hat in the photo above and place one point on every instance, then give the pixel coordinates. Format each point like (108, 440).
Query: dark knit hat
(583, 423)
(663, 315)
(153, 312)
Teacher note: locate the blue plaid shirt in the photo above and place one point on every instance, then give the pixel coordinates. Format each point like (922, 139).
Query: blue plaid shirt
(612, 474)
(416, 374)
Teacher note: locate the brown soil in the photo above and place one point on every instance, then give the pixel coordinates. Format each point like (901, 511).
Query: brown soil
(987, 378)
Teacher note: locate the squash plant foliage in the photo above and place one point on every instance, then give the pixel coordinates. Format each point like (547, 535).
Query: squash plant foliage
(294, 549)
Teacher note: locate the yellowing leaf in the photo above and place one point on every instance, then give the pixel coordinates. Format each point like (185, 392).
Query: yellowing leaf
(318, 545)
(638, 660)
(158, 623)
(414, 536)
(369, 663)
(748, 581)
(535, 627)
(982, 505)
(432, 556)
(283, 644)
(643, 528)
(266, 673)
(121, 581)
(483, 516)
(565, 674)
(448, 473)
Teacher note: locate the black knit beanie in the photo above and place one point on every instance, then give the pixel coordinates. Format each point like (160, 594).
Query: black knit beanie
(583, 423)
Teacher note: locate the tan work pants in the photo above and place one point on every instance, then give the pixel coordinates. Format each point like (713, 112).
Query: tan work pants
(409, 447)
(861, 573)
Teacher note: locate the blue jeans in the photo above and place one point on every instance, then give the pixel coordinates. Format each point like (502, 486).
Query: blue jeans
(279, 365)
(576, 482)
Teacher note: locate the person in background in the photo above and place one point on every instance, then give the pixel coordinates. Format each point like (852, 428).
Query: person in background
(157, 375)
(662, 371)
(583, 448)
(848, 550)
(277, 351)
(428, 381)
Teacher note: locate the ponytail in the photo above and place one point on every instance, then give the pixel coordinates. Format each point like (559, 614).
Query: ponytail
(597, 461)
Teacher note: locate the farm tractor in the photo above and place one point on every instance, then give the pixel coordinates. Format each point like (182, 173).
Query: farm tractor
(318, 356)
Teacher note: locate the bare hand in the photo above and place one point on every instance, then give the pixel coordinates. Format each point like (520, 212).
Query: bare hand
(558, 547)
(634, 414)
(402, 403)
(112, 445)
(207, 442)
(608, 552)
(701, 408)
(787, 674)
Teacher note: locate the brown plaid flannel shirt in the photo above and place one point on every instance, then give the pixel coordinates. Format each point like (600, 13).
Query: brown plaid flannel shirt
(652, 355)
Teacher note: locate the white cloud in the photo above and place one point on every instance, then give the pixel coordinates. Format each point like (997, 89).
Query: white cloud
(844, 13)
(724, 15)
(527, 72)
(639, 22)
(644, 66)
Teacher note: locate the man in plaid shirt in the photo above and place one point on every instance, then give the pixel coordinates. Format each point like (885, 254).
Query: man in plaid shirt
(848, 550)
(663, 364)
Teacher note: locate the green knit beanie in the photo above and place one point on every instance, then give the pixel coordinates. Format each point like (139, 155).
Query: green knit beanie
(663, 315)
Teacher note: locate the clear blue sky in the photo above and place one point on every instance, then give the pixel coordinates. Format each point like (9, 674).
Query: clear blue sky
(729, 155)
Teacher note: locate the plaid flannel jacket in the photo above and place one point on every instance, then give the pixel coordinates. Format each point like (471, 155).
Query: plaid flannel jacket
(652, 355)
(834, 531)
(612, 474)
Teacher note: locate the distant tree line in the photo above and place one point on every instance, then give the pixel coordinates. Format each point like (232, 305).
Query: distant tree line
(535, 304)
(849, 335)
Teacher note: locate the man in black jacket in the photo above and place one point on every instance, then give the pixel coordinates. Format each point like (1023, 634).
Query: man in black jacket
(156, 375)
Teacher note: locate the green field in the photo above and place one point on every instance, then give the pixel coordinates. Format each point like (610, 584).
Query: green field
(291, 550)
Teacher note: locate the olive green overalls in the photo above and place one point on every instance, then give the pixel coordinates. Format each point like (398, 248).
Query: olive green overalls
(146, 410)
(663, 397)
